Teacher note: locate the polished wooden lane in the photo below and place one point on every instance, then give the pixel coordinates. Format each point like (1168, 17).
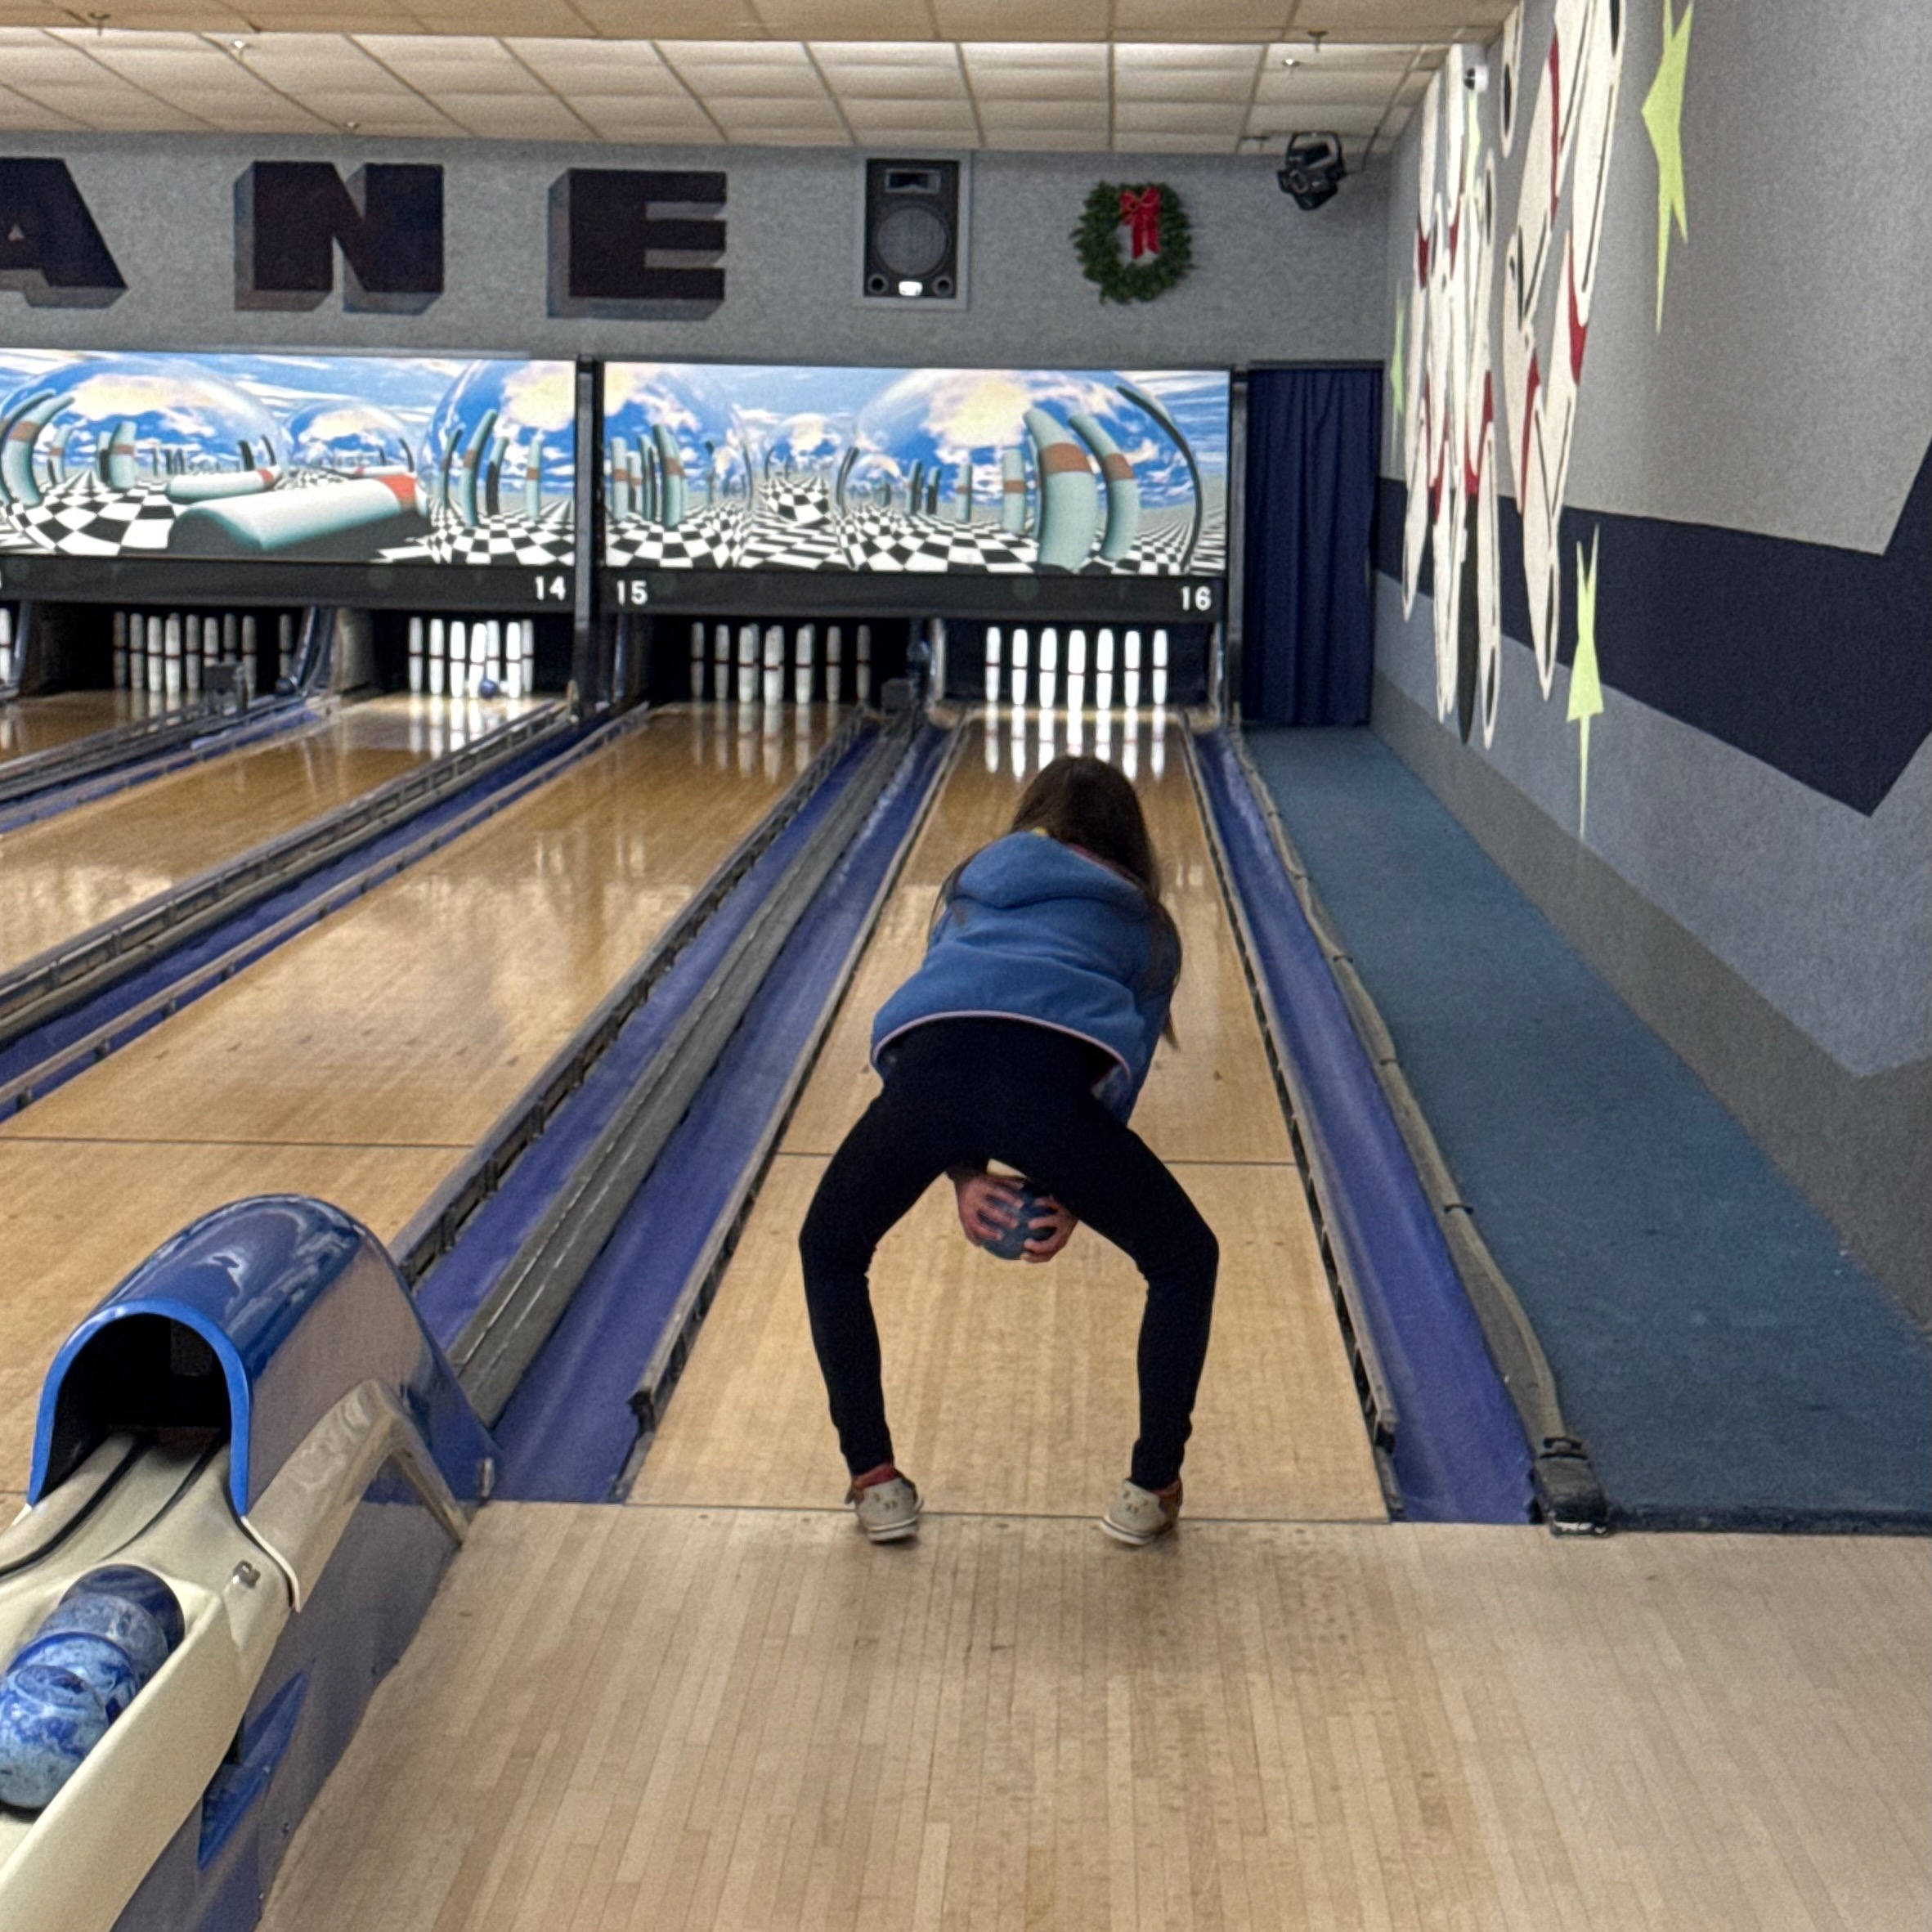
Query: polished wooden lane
(60, 876)
(389, 1036)
(710, 1720)
(31, 725)
(1010, 1387)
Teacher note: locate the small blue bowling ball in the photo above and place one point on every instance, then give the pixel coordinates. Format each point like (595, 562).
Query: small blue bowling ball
(50, 1720)
(104, 1667)
(120, 1622)
(132, 1584)
(1012, 1245)
(489, 687)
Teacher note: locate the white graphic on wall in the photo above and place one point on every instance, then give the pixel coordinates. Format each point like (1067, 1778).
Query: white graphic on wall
(1546, 309)
(1451, 410)
(1448, 421)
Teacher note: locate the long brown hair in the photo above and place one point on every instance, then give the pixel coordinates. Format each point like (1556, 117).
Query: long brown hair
(1085, 802)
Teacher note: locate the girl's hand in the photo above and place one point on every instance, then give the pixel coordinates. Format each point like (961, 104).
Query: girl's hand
(988, 1204)
(1058, 1224)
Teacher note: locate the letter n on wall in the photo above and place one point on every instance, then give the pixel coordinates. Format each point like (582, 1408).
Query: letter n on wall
(290, 218)
(634, 242)
(50, 249)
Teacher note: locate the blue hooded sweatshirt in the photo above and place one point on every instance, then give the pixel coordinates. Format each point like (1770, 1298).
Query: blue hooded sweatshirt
(1033, 930)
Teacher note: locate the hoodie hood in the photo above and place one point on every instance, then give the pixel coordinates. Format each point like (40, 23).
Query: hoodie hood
(1033, 930)
(1026, 867)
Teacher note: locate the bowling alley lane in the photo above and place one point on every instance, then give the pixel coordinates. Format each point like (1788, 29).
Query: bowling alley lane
(1279, 1434)
(361, 1060)
(32, 724)
(62, 875)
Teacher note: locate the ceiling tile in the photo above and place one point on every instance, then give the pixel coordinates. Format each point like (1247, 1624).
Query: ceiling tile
(505, 117)
(116, 108)
(19, 115)
(842, 20)
(35, 58)
(1021, 20)
(606, 66)
(1167, 56)
(1017, 116)
(896, 83)
(1193, 117)
(1317, 90)
(1184, 84)
(652, 120)
(673, 20)
(465, 63)
(1218, 20)
(1281, 121)
(1403, 20)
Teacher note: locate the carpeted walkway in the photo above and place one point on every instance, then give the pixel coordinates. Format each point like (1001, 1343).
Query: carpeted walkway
(1727, 1363)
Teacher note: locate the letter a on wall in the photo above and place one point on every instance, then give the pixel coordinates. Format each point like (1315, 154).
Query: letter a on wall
(50, 250)
(290, 218)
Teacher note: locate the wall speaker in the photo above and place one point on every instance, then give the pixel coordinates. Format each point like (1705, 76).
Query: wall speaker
(913, 241)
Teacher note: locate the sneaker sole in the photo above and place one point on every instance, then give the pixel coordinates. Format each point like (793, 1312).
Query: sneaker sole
(1134, 1538)
(897, 1533)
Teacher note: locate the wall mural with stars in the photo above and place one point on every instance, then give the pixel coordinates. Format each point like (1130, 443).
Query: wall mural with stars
(304, 458)
(1100, 472)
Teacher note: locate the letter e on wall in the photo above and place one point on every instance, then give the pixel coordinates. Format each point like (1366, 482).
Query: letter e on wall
(636, 244)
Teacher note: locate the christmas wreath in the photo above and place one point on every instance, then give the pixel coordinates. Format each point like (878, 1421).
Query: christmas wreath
(1159, 252)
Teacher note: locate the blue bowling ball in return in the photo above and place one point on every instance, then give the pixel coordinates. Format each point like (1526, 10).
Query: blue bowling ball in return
(1012, 1245)
(50, 1720)
(142, 1587)
(104, 1667)
(128, 1626)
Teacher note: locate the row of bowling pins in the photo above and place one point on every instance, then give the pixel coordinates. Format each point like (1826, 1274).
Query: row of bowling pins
(1007, 666)
(8, 671)
(1116, 736)
(166, 655)
(450, 657)
(757, 667)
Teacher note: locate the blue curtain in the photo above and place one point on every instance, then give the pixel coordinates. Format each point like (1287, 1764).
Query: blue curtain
(1307, 619)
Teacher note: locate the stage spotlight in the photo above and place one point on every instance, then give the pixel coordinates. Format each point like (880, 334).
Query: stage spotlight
(1312, 169)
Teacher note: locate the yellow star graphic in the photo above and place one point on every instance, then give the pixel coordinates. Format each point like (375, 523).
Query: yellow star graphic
(1663, 120)
(1394, 365)
(1586, 686)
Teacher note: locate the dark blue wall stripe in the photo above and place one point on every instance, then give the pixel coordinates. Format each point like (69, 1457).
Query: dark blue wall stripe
(1815, 659)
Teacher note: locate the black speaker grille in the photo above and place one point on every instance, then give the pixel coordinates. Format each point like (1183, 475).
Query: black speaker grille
(911, 241)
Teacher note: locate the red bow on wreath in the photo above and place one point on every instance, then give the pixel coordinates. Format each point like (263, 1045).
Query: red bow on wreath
(1141, 213)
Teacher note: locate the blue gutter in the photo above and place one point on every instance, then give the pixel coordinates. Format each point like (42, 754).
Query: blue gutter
(1459, 1453)
(569, 1431)
(126, 1011)
(459, 1282)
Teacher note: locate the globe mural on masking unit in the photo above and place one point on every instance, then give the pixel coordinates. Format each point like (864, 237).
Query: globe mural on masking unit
(1098, 472)
(311, 459)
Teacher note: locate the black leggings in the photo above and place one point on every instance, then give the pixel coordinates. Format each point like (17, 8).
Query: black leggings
(961, 1092)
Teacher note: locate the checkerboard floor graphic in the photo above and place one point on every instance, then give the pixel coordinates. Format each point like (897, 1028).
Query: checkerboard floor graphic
(83, 517)
(796, 529)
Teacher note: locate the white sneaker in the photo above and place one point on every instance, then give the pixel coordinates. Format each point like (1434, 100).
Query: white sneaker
(1137, 1515)
(887, 1511)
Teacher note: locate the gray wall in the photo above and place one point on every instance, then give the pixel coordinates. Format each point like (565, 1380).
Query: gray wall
(1269, 282)
(1779, 941)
